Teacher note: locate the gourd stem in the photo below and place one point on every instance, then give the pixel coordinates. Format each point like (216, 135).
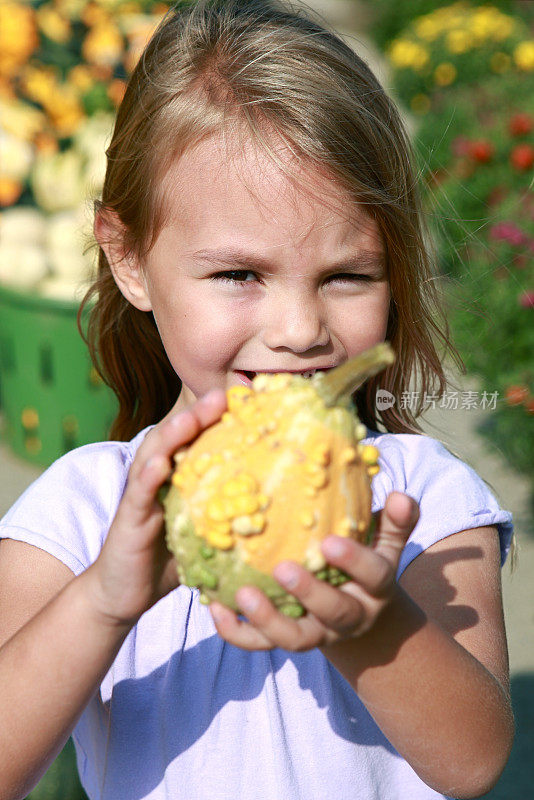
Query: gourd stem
(337, 385)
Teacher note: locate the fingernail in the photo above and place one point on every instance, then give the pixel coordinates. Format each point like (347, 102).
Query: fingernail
(248, 602)
(334, 547)
(287, 575)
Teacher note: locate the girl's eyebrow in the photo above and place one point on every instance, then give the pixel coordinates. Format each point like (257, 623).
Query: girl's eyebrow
(229, 256)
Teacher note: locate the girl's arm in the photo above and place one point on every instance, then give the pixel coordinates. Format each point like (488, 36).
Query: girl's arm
(60, 634)
(438, 656)
(55, 652)
(427, 656)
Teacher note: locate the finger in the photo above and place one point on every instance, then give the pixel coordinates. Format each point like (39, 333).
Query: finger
(395, 523)
(282, 631)
(153, 463)
(164, 440)
(238, 632)
(210, 407)
(179, 429)
(334, 609)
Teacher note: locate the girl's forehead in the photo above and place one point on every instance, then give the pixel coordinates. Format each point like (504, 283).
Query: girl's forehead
(214, 181)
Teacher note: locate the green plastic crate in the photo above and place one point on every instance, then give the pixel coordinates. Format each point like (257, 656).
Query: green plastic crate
(51, 397)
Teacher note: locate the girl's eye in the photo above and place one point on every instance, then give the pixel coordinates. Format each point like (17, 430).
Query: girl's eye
(232, 276)
(237, 276)
(351, 276)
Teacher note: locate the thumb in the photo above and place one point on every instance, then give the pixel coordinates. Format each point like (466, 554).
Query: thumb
(394, 525)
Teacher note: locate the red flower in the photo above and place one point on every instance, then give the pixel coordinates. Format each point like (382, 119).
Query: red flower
(522, 157)
(521, 124)
(529, 405)
(481, 150)
(516, 395)
(526, 300)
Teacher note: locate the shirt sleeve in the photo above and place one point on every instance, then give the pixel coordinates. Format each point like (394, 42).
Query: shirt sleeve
(452, 497)
(68, 510)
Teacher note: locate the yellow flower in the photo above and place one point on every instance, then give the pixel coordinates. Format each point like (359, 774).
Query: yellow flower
(64, 109)
(72, 9)
(420, 104)
(39, 82)
(445, 74)
(112, 5)
(129, 8)
(404, 53)
(459, 41)
(483, 23)
(93, 14)
(457, 19)
(427, 28)
(103, 45)
(60, 101)
(524, 55)
(138, 28)
(18, 36)
(80, 76)
(20, 119)
(53, 24)
(500, 62)
(505, 28)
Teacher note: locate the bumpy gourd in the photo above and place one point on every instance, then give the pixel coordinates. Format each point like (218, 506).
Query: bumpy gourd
(281, 470)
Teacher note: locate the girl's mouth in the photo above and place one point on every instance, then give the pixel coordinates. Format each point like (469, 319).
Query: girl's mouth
(246, 376)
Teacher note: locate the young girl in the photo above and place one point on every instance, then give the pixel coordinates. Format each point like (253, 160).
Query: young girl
(259, 214)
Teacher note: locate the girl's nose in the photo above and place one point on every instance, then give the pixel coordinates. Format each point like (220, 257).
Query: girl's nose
(296, 324)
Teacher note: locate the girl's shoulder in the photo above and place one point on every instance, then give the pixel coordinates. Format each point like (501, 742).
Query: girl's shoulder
(452, 496)
(91, 468)
(419, 460)
(67, 511)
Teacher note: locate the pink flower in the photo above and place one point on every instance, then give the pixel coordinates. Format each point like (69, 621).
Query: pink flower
(507, 232)
(526, 300)
(461, 146)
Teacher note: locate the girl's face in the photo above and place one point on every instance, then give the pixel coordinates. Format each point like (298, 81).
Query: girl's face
(251, 274)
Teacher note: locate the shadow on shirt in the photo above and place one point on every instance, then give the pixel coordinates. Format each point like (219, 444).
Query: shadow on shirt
(277, 700)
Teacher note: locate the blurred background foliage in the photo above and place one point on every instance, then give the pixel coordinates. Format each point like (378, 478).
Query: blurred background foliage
(390, 17)
(465, 71)
(63, 71)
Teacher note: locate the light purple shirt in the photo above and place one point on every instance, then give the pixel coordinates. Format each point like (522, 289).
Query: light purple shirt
(182, 714)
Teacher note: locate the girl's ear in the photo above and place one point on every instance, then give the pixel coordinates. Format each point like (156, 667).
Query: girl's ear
(126, 270)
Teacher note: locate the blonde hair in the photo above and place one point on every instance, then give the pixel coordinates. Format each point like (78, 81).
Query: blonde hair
(238, 68)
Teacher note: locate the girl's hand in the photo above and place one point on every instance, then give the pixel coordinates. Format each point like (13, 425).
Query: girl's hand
(135, 569)
(333, 613)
